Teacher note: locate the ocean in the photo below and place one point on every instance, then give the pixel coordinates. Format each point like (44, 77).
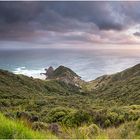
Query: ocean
(89, 64)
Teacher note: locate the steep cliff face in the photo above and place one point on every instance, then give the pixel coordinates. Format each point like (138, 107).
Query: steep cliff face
(49, 72)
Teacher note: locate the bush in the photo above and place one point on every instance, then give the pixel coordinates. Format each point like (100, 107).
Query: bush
(93, 129)
(54, 128)
(100, 117)
(107, 123)
(128, 130)
(77, 118)
(114, 119)
(133, 115)
(138, 125)
(112, 116)
(39, 126)
(106, 118)
(90, 131)
(57, 114)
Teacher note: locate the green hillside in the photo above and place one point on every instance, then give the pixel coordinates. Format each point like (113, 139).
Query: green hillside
(20, 86)
(63, 108)
(123, 87)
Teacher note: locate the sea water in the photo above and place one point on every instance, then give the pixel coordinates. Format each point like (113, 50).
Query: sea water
(89, 64)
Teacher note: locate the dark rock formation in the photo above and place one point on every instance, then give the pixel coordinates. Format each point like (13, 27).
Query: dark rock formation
(63, 74)
(49, 72)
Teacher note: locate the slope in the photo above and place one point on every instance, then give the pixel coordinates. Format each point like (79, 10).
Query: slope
(123, 87)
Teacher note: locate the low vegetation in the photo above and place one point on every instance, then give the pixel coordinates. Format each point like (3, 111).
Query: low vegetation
(10, 129)
(108, 107)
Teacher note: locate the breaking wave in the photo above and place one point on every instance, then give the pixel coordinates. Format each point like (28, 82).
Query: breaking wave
(30, 72)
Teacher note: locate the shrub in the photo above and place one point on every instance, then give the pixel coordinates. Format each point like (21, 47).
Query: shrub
(26, 116)
(107, 123)
(138, 124)
(112, 116)
(77, 118)
(93, 129)
(133, 115)
(39, 126)
(90, 131)
(128, 130)
(23, 116)
(57, 114)
(100, 117)
(120, 119)
(54, 128)
(107, 118)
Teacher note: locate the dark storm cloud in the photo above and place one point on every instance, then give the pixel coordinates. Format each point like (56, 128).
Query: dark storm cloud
(137, 34)
(131, 10)
(98, 13)
(56, 15)
(18, 13)
(66, 21)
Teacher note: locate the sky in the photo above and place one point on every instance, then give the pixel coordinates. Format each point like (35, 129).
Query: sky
(68, 24)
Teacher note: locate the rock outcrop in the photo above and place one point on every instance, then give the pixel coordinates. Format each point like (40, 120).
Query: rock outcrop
(49, 72)
(64, 74)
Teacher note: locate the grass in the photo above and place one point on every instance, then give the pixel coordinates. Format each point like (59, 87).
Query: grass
(128, 130)
(10, 129)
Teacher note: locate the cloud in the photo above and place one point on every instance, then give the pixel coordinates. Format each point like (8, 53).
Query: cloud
(137, 34)
(69, 22)
(57, 15)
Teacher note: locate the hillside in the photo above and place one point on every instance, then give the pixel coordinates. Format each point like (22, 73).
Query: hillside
(123, 87)
(22, 93)
(20, 86)
(108, 101)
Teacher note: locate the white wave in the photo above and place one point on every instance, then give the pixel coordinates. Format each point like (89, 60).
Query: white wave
(35, 73)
